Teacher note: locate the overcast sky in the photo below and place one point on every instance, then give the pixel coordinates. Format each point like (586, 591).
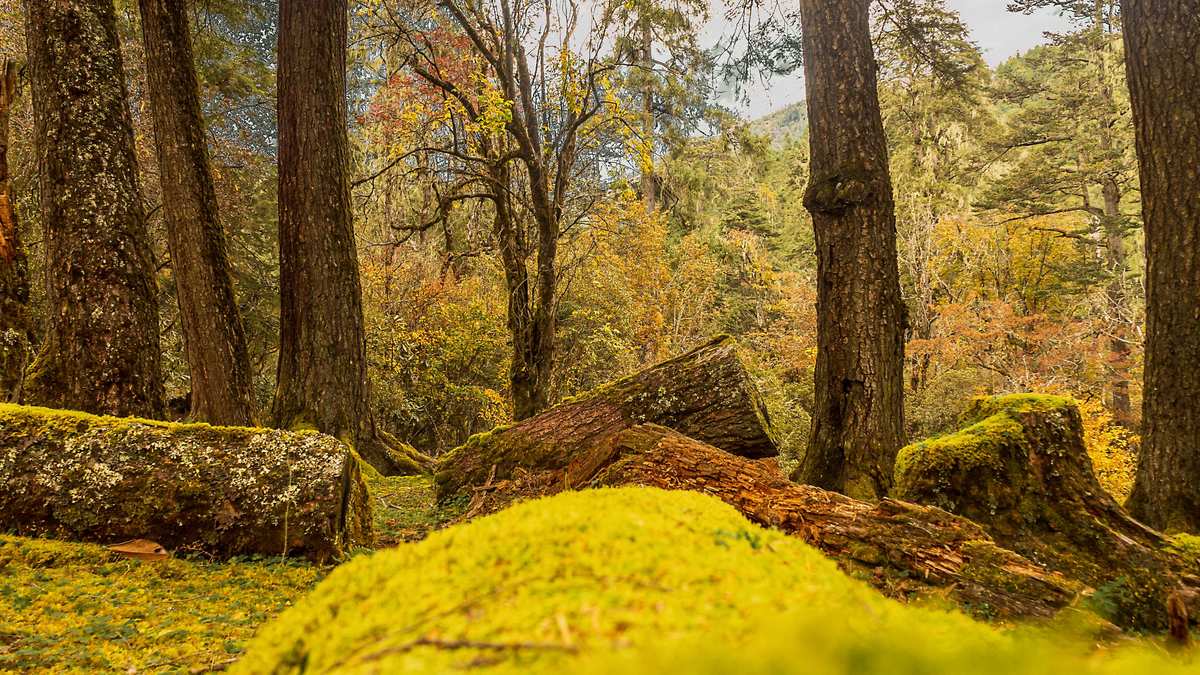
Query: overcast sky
(998, 32)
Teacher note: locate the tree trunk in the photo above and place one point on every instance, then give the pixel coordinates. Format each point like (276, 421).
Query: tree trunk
(101, 351)
(14, 269)
(858, 423)
(903, 549)
(322, 380)
(649, 180)
(1118, 342)
(224, 491)
(213, 335)
(1162, 57)
(706, 394)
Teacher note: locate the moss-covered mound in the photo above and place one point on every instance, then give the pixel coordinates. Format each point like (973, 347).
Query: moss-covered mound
(221, 490)
(561, 584)
(1021, 470)
(79, 608)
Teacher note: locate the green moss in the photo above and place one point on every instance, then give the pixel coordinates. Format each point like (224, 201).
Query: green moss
(1186, 546)
(405, 508)
(78, 608)
(636, 581)
(61, 421)
(993, 423)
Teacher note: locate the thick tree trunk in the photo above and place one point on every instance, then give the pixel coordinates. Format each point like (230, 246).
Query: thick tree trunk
(213, 335)
(14, 269)
(903, 549)
(1022, 472)
(219, 490)
(706, 394)
(101, 351)
(858, 423)
(1162, 57)
(322, 380)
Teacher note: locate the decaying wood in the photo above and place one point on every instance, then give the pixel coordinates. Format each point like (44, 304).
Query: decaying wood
(903, 549)
(1036, 493)
(705, 394)
(223, 491)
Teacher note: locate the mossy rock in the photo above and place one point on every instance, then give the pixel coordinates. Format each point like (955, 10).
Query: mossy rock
(630, 580)
(223, 491)
(1020, 469)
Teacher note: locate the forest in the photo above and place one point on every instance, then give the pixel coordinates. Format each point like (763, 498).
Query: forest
(430, 336)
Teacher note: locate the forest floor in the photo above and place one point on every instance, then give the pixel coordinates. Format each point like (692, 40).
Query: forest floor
(70, 607)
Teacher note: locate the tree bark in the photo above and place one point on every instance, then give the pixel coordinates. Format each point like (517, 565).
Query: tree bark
(101, 351)
(1162, 58)
(213, 335)
(705, 393)
(649, 180)
(858, 424)
(903, 549)
(219, 490)
(322, 379)
(15, 335)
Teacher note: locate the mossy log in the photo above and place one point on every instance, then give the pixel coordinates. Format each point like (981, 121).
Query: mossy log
(222, 491)
(903, 549)
(705, 394)
(1022, 471)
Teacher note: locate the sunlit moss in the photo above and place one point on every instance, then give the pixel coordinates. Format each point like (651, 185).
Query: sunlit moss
(633, 580)
(992, 425)
(68, 607)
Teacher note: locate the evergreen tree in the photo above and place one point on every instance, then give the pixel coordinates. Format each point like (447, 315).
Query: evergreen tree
(858, 421)
(213, 335)
(101, 350)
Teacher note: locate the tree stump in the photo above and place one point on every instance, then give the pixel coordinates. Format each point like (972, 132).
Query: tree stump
(223, 491)
(1021, 470)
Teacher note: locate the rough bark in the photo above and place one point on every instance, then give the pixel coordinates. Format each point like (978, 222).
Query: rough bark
(223, 491)
(213, 336)
(858, 421)
(101, 351)
(706, 394)
(1162, 60)
(322, 377)
(903, 549)
(15, 328)
(1021, 470)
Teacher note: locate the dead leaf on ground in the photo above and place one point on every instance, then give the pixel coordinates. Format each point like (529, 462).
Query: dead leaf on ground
(141, 549)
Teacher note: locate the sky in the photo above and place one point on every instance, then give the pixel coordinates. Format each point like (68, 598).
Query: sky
(998, 32)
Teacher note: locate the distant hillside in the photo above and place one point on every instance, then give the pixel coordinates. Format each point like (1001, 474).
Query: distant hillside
(788, 123)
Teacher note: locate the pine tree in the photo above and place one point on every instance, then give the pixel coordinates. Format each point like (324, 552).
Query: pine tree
(1162, 62)
(101, 351)
(213, 335)
(858, 422)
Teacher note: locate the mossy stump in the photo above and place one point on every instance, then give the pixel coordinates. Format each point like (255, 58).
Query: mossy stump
(706, 394)
(1021, 470)
(222, 491)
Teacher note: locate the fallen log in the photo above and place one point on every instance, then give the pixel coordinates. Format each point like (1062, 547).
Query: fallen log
(903, 549)
(222, 491)
(1021, 470)
(705, 394)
